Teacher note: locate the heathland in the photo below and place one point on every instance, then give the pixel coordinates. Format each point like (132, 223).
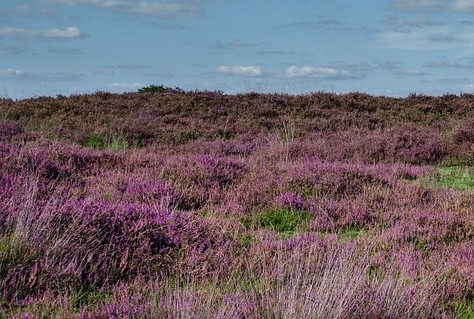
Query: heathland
(172, 204)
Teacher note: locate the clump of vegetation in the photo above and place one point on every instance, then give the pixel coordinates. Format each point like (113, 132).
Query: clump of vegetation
(115, 143)
(152, 89)
(157, 89)
(282, 221)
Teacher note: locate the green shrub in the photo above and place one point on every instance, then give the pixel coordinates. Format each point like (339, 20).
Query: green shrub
(152, 89)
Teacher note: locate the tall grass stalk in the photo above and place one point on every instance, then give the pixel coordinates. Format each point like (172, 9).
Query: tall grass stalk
(311, 282)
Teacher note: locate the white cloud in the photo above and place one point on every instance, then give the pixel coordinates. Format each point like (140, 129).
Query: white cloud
(463, 5)
(443, 64)
(140, 7)
(10, 73)
(323, 73)
(469, 87)
(166, 9)
(111, 4)
(39, 77)
(419, 4)
(98, 3)
(68, 33)
(242, 70)
(439, 5)
(428, 38)
(407, 22)
(126, 86)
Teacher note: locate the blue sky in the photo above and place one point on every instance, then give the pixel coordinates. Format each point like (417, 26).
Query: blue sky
(380, 47)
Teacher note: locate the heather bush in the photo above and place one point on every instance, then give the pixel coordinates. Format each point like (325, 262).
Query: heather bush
(464, 132)
(69, 243)
(202, 179)
(10, 129)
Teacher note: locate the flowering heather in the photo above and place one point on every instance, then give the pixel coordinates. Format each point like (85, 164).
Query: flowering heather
(176, 204)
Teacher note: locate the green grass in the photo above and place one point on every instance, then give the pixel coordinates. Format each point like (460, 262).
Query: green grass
(40, 310)
(351, 232)
(88, 296)
(457, 178)
(245, 240)
(465, 310)
(284, 222)
(93, 141)
(115, 143)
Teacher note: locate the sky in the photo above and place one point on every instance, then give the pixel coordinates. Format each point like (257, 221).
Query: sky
(379, 47)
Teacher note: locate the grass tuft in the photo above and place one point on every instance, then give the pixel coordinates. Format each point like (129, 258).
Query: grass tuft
(284, 221)
(116, 143)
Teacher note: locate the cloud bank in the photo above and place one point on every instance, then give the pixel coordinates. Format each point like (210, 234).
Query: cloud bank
(139, 7)
(318, 72)
(466, 6)
(126, 86)
(242, 70)
(10, 73)
(53, 33)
